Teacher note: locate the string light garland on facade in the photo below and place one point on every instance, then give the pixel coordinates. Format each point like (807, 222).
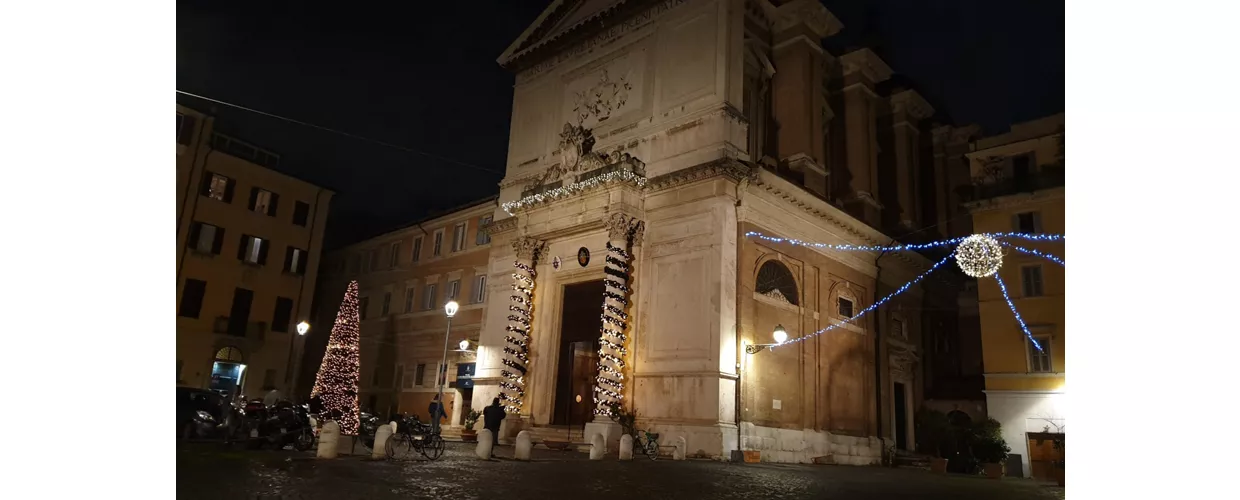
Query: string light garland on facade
(610, 381)
(1020, 321)
(1034, 251)
(517, 352)
(979, 256)
(565, 191)
(336, 382)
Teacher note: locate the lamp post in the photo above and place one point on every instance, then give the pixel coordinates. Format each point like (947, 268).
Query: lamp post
(290, 372)
(780, 335)
(450, 309)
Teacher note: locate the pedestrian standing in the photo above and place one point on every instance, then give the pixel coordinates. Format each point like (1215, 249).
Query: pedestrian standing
(491, 418)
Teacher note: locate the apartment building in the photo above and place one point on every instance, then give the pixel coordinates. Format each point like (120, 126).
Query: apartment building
(248, 244)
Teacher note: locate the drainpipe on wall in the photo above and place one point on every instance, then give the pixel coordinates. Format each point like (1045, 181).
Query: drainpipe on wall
(878, 352)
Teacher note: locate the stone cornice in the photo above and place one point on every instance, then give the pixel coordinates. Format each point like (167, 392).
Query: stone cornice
(912, 104)
(726, 167)
(809, 13)
(1015, 200)
(500, 226)
(867, 63)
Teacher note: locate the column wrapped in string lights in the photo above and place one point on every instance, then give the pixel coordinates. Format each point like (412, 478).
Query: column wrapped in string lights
(517, 340)
(609, 383)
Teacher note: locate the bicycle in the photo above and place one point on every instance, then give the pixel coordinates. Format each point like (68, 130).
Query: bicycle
(414, 436)
(649, 446)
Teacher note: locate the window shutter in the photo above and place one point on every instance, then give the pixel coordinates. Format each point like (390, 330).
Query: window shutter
(1037, 222)
(231, 186)
(218, 244)
(275, 201)
(245, 238)
(187, 129)
(195, 229)
(301, 263)
(1016, 222)
(253, 198)
(205, 188)
(288, 259)
(262, 252)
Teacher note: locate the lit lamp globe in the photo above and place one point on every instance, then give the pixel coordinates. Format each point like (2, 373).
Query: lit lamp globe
(303, 327)
(464, 345)
(450, 308)
(781, 335)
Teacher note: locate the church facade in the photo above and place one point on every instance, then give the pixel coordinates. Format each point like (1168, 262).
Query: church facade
(650, 142)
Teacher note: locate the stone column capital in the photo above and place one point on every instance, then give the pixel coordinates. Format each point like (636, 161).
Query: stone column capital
(528, 248)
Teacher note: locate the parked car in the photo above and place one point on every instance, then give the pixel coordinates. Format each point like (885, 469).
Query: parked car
(202, 414)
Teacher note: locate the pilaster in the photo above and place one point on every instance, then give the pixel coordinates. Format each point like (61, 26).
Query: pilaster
(862, 70)
(908, 108)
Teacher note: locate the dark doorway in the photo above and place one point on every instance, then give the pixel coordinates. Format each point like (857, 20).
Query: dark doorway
(901, 424)
(580, 322)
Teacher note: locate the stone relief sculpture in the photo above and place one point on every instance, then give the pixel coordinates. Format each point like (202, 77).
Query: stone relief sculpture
(604, 98)
(577, 156)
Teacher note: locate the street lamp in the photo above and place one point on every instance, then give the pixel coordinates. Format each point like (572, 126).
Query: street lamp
(780, 335)
(463, 346)
(289, 375)
(450, 310)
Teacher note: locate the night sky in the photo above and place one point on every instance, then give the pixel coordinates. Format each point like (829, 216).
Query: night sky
(425, 77)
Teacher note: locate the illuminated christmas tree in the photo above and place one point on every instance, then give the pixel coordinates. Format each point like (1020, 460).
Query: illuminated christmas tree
(336, 382)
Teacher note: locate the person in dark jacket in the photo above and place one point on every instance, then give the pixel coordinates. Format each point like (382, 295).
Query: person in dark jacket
(435, 410)
(491, 418)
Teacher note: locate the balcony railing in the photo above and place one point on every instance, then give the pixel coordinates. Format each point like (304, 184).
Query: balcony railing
(251, 329)
(1048, 176)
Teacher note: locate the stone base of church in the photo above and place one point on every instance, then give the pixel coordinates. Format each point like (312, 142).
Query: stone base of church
(803, 446)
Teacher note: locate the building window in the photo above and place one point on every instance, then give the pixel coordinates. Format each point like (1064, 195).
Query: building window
(283, 314)
(897, 329)
(372, 261)
(775, 281)
(428, 297)
(480, 288)
(1031, 280)
(295, 261)
(239, 314)
(301, 212)
(387, 303)
(454, 287)
(205, 238)
(191, 298)
(483, 238)
(362, 305)
(263, 201)
(1040, 361)
(409, 299)
(1027, 222)
(844, 307)
(253, 250)
(355, 264)
(458, 237)
(394, 255)
(417, 249)
(218, 187)
(437, 247)
(420, 375)
(185, 128)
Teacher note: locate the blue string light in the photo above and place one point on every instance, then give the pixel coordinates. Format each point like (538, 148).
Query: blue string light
(919, 246)
(1034, 251)
(1029, 236)
(875, 305)
(1019, 320)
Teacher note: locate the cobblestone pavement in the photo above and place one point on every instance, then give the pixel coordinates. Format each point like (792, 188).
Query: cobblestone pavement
(208, 471)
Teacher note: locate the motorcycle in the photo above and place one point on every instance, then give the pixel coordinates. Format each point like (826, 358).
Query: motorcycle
(288, 425)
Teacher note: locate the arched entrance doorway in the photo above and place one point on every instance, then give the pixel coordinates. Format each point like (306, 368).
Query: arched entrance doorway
(228, 372)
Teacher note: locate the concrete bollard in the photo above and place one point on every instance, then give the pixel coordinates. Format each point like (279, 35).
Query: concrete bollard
(523, 446)
(486, 441)
(381, 437)
(679, 454)
(597, 447)
(394, 426)
(626, 447)
(328, 437)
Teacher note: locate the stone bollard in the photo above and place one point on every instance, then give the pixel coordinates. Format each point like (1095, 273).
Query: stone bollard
(381, 437)
(626, 447)
(597, 447)
(328, 437)
(679, 454)
(523, 446)
(486, 441)
(394, 426)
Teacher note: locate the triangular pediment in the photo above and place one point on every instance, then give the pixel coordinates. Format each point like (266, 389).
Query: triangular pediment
(561, 17)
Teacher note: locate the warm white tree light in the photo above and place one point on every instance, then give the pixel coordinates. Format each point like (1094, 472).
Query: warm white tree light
(979, 256)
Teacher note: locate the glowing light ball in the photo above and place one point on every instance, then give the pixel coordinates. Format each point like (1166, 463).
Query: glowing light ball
(979, 256)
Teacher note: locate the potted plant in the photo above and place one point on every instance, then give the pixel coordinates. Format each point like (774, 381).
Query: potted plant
(1059, 466)
(932, 435)
(469, 435)
(988, 447)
